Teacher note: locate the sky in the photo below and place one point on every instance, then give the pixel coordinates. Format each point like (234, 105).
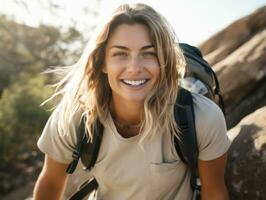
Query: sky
(194, 21)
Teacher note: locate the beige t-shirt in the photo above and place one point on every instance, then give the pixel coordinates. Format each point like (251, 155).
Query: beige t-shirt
(125, 170)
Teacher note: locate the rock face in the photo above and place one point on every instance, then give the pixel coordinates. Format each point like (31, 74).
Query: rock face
(243, 78)
(238, 55)
(246, 170)
(226, 41)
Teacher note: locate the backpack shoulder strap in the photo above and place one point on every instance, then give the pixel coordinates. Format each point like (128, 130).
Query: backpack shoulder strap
(186, 146)
(86, 188)
(90, 148)
(81, 138)
(86, 149)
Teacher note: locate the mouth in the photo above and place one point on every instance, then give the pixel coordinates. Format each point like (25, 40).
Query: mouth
(135, 83)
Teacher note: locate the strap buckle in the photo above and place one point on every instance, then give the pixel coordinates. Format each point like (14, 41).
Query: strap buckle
(76, 155)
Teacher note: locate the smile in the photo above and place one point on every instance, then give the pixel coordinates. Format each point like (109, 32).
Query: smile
(135, 82)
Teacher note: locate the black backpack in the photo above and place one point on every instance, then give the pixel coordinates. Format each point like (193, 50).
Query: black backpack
(186, 147)
(199, 76)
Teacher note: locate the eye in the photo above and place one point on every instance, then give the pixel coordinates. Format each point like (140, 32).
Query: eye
(149, 54)
(120, 54)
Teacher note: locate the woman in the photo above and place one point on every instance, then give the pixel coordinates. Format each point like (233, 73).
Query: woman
(128, 78)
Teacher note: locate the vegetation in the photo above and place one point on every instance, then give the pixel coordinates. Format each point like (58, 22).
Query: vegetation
(25, 53)
(21, 117)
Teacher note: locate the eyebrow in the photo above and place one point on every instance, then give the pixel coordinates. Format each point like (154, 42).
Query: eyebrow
(126, 48)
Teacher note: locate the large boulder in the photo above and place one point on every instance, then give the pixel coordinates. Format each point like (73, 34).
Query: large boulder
(238, 56)
(246, 170)
(223, 43)
(242, 77)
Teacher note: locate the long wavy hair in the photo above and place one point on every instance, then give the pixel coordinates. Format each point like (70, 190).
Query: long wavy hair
(84, 87)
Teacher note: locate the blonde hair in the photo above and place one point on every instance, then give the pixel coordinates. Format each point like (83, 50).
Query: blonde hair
(85, 87)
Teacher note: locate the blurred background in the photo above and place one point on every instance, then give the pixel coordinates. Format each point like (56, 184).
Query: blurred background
(37, 34)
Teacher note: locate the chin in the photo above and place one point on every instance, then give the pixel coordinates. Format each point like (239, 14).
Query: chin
(136, 99)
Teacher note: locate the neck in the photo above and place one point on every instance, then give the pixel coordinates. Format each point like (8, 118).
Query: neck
(128, 113)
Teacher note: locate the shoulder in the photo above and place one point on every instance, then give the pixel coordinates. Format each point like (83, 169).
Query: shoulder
(208, 115)
(206, 110)
(61, 126)
(59, 143)
(201, 103)
(210, 128)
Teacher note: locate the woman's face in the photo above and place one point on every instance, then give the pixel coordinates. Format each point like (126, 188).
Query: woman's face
(131, 63)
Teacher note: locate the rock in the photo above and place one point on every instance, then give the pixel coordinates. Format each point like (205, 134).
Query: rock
(238, 56)
(223, 43)
(247, 158)
(242, 77)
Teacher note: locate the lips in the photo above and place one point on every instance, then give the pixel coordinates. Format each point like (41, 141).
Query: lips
(135, 83)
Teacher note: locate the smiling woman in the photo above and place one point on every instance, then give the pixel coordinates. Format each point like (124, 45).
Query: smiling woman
(133, 70)
(127, 80)
(132, 67)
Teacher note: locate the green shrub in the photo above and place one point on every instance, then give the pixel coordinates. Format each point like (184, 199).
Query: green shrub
(21, 116)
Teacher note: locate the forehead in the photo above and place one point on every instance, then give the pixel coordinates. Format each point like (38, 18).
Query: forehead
(130, 35)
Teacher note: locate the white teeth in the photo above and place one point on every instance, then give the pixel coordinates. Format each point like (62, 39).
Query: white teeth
(135, 83)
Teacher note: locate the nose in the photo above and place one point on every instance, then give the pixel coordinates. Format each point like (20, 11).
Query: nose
(135, 65)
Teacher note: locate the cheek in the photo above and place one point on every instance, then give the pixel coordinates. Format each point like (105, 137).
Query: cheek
(158, 73)
(117, 64)
(113, 70)
(112, 73)
(114, 67)
(156, 70)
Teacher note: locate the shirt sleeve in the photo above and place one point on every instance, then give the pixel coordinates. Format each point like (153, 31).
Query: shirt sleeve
(58, 146)
(212, 137)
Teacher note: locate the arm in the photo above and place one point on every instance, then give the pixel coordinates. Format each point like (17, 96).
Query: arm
(212, 178)
(51, 181)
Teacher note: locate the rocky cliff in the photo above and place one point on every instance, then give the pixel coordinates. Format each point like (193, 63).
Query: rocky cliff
(238, 55)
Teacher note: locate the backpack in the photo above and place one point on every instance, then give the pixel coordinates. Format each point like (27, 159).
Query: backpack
(200, 78)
